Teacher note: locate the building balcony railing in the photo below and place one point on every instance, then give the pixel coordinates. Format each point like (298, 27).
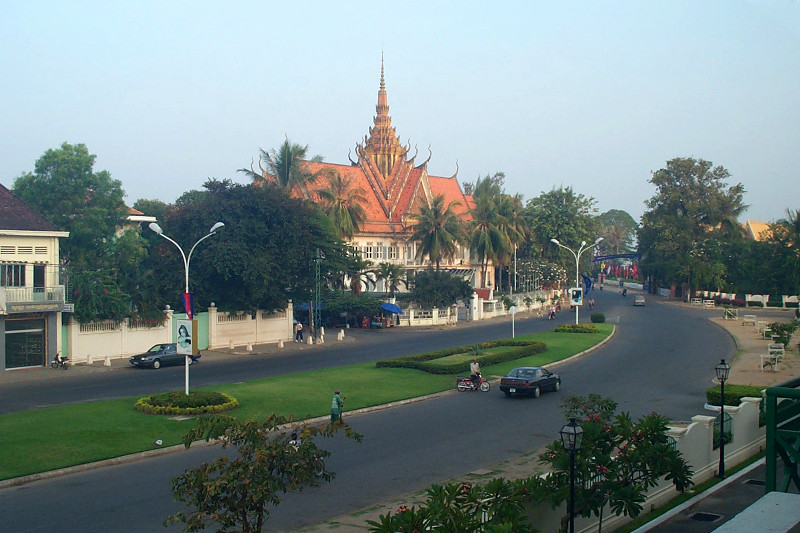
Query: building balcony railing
(31, 299)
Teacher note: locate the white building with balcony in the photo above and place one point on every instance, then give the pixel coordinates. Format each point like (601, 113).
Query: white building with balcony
(31, 295)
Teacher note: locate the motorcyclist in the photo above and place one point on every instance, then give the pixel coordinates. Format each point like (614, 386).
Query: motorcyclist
(475, 372)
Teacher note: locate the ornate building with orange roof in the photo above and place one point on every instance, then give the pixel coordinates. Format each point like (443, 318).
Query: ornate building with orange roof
(395, 187)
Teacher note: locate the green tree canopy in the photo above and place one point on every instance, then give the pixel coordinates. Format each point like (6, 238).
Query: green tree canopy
(263, 257)
(692, 210)
(67, 191)
(618, 230)
(437, 231)
(434, 288)
(564, 215)
(283, 167)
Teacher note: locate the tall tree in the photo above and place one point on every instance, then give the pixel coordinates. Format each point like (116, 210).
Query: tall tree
(437, 231)
(485, 237)
(786, 235)
(284, 167)
(559, 214)
(392, 275)
(262, 258)
(67, 191)
(512, 223)
(692, 209)
(618, 230)
(343, 203)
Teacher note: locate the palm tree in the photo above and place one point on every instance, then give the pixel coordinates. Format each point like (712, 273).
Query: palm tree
(438, 231)
(284, 167)
(359, 270)
(511, 224)
(343, 204)
(393, 276)
(485, 239)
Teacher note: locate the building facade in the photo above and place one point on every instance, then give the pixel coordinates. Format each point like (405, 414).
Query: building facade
(31, 295)
(395, 187)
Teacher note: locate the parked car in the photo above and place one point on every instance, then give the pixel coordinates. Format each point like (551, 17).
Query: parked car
(160, 355)
(638, 300)
(530, 380)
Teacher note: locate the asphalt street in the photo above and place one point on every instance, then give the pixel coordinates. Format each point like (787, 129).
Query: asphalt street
(661, 359)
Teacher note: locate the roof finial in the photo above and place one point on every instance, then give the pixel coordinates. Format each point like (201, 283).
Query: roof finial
(383, 85)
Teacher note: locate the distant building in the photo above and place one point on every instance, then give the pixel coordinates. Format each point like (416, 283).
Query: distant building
(758, 231)
(396, 187)
(31, 294)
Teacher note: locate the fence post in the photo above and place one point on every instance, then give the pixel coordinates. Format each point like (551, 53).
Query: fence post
(212, 326)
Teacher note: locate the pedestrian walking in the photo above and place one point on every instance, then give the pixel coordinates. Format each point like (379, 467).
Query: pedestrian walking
(298, 332)
(336, 407)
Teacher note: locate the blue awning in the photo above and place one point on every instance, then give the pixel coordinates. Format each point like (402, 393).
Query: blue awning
(392, 308)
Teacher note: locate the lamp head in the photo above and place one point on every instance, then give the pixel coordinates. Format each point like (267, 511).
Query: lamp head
(155, 227)
(215, 227)
(598, 240)
(554, 241)
(571, 436)
(722, 370)
(583, 243)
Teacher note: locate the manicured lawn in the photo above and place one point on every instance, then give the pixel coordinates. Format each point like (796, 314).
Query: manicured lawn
(47, 439)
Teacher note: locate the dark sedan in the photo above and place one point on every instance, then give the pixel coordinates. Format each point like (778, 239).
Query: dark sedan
(158, 356)
(530, 380)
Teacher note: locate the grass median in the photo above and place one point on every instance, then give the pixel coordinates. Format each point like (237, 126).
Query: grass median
(47, 439)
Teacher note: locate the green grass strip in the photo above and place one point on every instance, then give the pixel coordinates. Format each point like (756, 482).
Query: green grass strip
(47, 439)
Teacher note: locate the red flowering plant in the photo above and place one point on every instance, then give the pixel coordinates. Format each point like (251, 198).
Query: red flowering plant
(618, 462)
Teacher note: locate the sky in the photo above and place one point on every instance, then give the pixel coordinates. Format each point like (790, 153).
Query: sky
(593, 95)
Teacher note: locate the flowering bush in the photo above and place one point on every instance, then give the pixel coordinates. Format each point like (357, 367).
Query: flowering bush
(618, 461)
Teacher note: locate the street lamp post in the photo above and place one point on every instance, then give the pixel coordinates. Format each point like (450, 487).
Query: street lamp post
(571, 436)
(577, 257)
(722, 370)
(186, 259)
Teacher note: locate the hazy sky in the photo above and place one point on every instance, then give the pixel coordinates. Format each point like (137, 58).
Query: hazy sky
(592, 95)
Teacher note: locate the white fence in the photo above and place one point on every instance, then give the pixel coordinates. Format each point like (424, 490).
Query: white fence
(243, 329)
(103, 341)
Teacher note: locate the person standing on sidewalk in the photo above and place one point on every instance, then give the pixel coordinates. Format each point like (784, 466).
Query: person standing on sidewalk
(298, 335)
(336, 407)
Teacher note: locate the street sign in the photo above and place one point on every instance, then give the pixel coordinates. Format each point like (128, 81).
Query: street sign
(576, 296)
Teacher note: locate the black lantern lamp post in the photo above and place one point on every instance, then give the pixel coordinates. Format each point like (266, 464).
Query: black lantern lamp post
(722, 369)
(571, 435)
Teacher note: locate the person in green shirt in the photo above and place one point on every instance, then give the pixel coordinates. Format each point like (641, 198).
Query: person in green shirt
(336, 407)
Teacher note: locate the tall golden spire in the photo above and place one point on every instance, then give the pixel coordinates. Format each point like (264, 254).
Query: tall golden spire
(382, 146)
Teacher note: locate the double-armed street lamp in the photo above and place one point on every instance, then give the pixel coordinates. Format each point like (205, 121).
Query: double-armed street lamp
(722, 370)
(186, 259)
(571, 437)
(577, 256)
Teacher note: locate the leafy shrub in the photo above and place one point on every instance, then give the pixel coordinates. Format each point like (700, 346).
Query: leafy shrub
(179, 403)
(598, 318)
(427, 361)
(733, 394)
(783, 330)
(576, 328)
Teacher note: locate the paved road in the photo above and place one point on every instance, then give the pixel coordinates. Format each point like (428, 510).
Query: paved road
(662, 359)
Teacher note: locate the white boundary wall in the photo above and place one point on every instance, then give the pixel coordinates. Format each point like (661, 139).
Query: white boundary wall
(103, 341)
(242, 329)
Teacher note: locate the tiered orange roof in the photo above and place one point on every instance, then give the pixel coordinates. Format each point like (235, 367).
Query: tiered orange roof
(394, 187)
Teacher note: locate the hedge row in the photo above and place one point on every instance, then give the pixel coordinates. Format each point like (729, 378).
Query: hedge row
(426, 361)
(577, 328)
(733, 394)
(179, 403)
